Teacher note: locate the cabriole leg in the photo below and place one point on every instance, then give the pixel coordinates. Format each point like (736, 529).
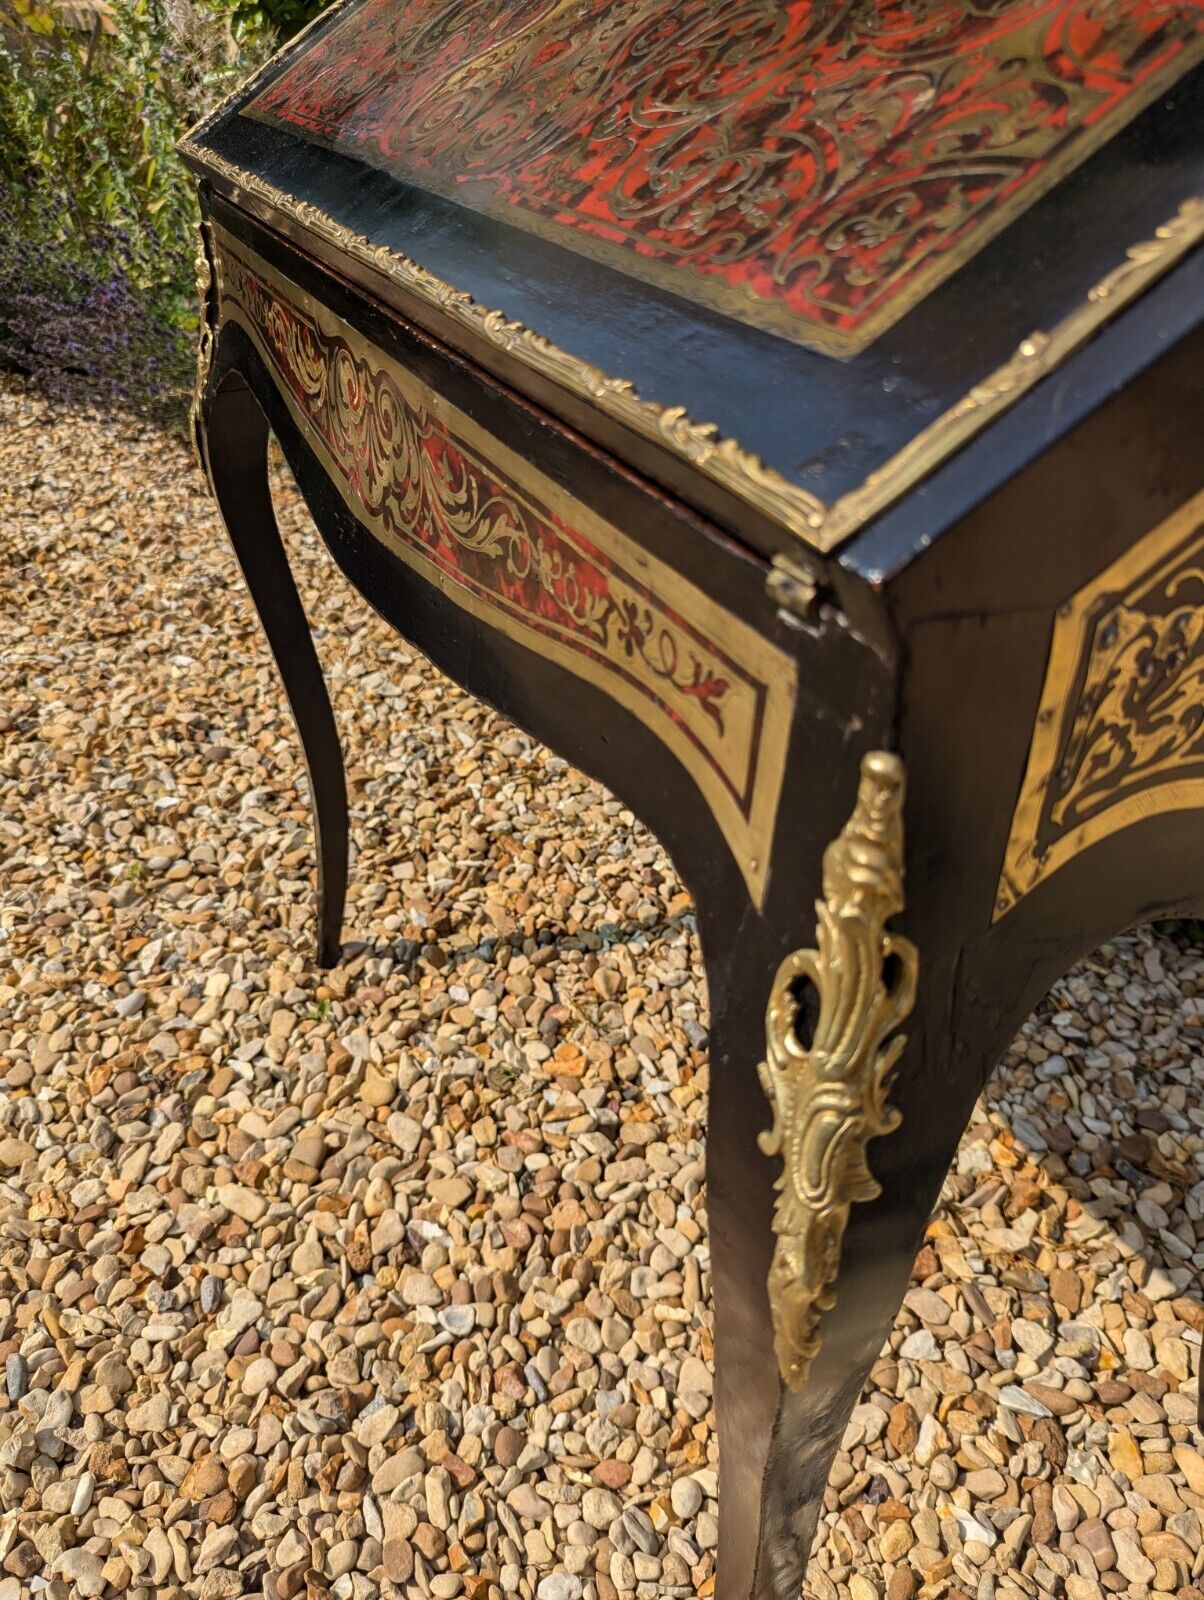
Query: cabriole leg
(232, 436)
(822, 1178)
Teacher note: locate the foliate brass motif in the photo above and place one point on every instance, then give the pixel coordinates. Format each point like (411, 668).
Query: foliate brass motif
(506, 544)
(204, 352)
(725, 461)
(1120, 731)
(829, 1091)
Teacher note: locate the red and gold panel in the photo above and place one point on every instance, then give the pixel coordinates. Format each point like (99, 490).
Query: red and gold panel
(512, 548)
(1120, 731)
(809, 166)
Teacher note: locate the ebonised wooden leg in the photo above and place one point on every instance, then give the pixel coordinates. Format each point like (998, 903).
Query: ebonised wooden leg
(935, 1094)
(740, 1200)
(776, 1446)
(233, 436)
(866, 1133)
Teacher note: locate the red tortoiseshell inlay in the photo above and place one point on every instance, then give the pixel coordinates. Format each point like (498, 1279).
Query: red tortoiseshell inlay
(809, 166)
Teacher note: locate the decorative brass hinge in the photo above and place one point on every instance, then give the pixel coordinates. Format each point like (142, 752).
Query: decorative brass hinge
(828, 1091)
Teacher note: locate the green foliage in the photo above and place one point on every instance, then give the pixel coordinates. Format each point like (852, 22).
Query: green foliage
(278, 19)
(92, 121)
(97, 207)
(1186, 930)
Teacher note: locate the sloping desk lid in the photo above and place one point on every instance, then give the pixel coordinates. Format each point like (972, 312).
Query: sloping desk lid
(804, 245)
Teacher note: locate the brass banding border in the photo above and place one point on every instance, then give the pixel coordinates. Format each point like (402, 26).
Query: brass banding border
(515, 550)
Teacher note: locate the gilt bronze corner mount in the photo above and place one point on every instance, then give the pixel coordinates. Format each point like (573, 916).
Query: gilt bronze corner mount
(828, 1089)
(207, 302)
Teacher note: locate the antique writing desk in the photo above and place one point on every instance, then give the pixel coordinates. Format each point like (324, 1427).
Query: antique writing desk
(790, 411)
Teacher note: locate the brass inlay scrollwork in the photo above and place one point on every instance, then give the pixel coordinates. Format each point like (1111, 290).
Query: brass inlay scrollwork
(828, 1088)
(1120, 730)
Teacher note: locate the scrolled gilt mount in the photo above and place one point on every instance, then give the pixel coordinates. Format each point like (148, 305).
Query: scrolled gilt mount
(829, 1089)
(206, 298)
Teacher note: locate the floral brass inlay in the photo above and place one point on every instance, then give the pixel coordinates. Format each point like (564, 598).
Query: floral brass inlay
(1120, 730)
(828, 1090)
(514, 549)
(813, 169)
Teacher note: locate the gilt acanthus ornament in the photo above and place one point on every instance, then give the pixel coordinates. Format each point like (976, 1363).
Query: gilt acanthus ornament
(204, 351)
(828, 1083)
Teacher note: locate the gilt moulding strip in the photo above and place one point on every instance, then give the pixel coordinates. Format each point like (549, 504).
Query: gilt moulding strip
(724, 460)
(1035, 358)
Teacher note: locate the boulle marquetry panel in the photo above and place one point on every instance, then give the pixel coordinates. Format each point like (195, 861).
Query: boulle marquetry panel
(810, 168)
(513, 549)
(1120, 732)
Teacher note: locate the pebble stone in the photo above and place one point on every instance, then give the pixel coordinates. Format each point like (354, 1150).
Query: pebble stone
(393, 1280)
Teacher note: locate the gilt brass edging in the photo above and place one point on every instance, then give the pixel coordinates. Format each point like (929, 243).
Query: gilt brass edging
(724, 460)
(829, 1093)
(1035, 358)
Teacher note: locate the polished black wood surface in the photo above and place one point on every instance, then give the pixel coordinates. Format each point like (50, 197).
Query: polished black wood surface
(930, 632)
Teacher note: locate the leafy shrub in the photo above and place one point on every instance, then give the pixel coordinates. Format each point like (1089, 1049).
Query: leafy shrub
(278, 19)
(99, 312)
(97, 211)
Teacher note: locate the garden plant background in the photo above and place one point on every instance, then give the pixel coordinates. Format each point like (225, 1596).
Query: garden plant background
(97, 212)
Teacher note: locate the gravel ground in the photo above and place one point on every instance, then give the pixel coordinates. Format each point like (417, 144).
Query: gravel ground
(393, 1280)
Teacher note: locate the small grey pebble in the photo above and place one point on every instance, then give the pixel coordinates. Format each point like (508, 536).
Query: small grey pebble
(211, 1293)
(16, 1376)
(639, 1525)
